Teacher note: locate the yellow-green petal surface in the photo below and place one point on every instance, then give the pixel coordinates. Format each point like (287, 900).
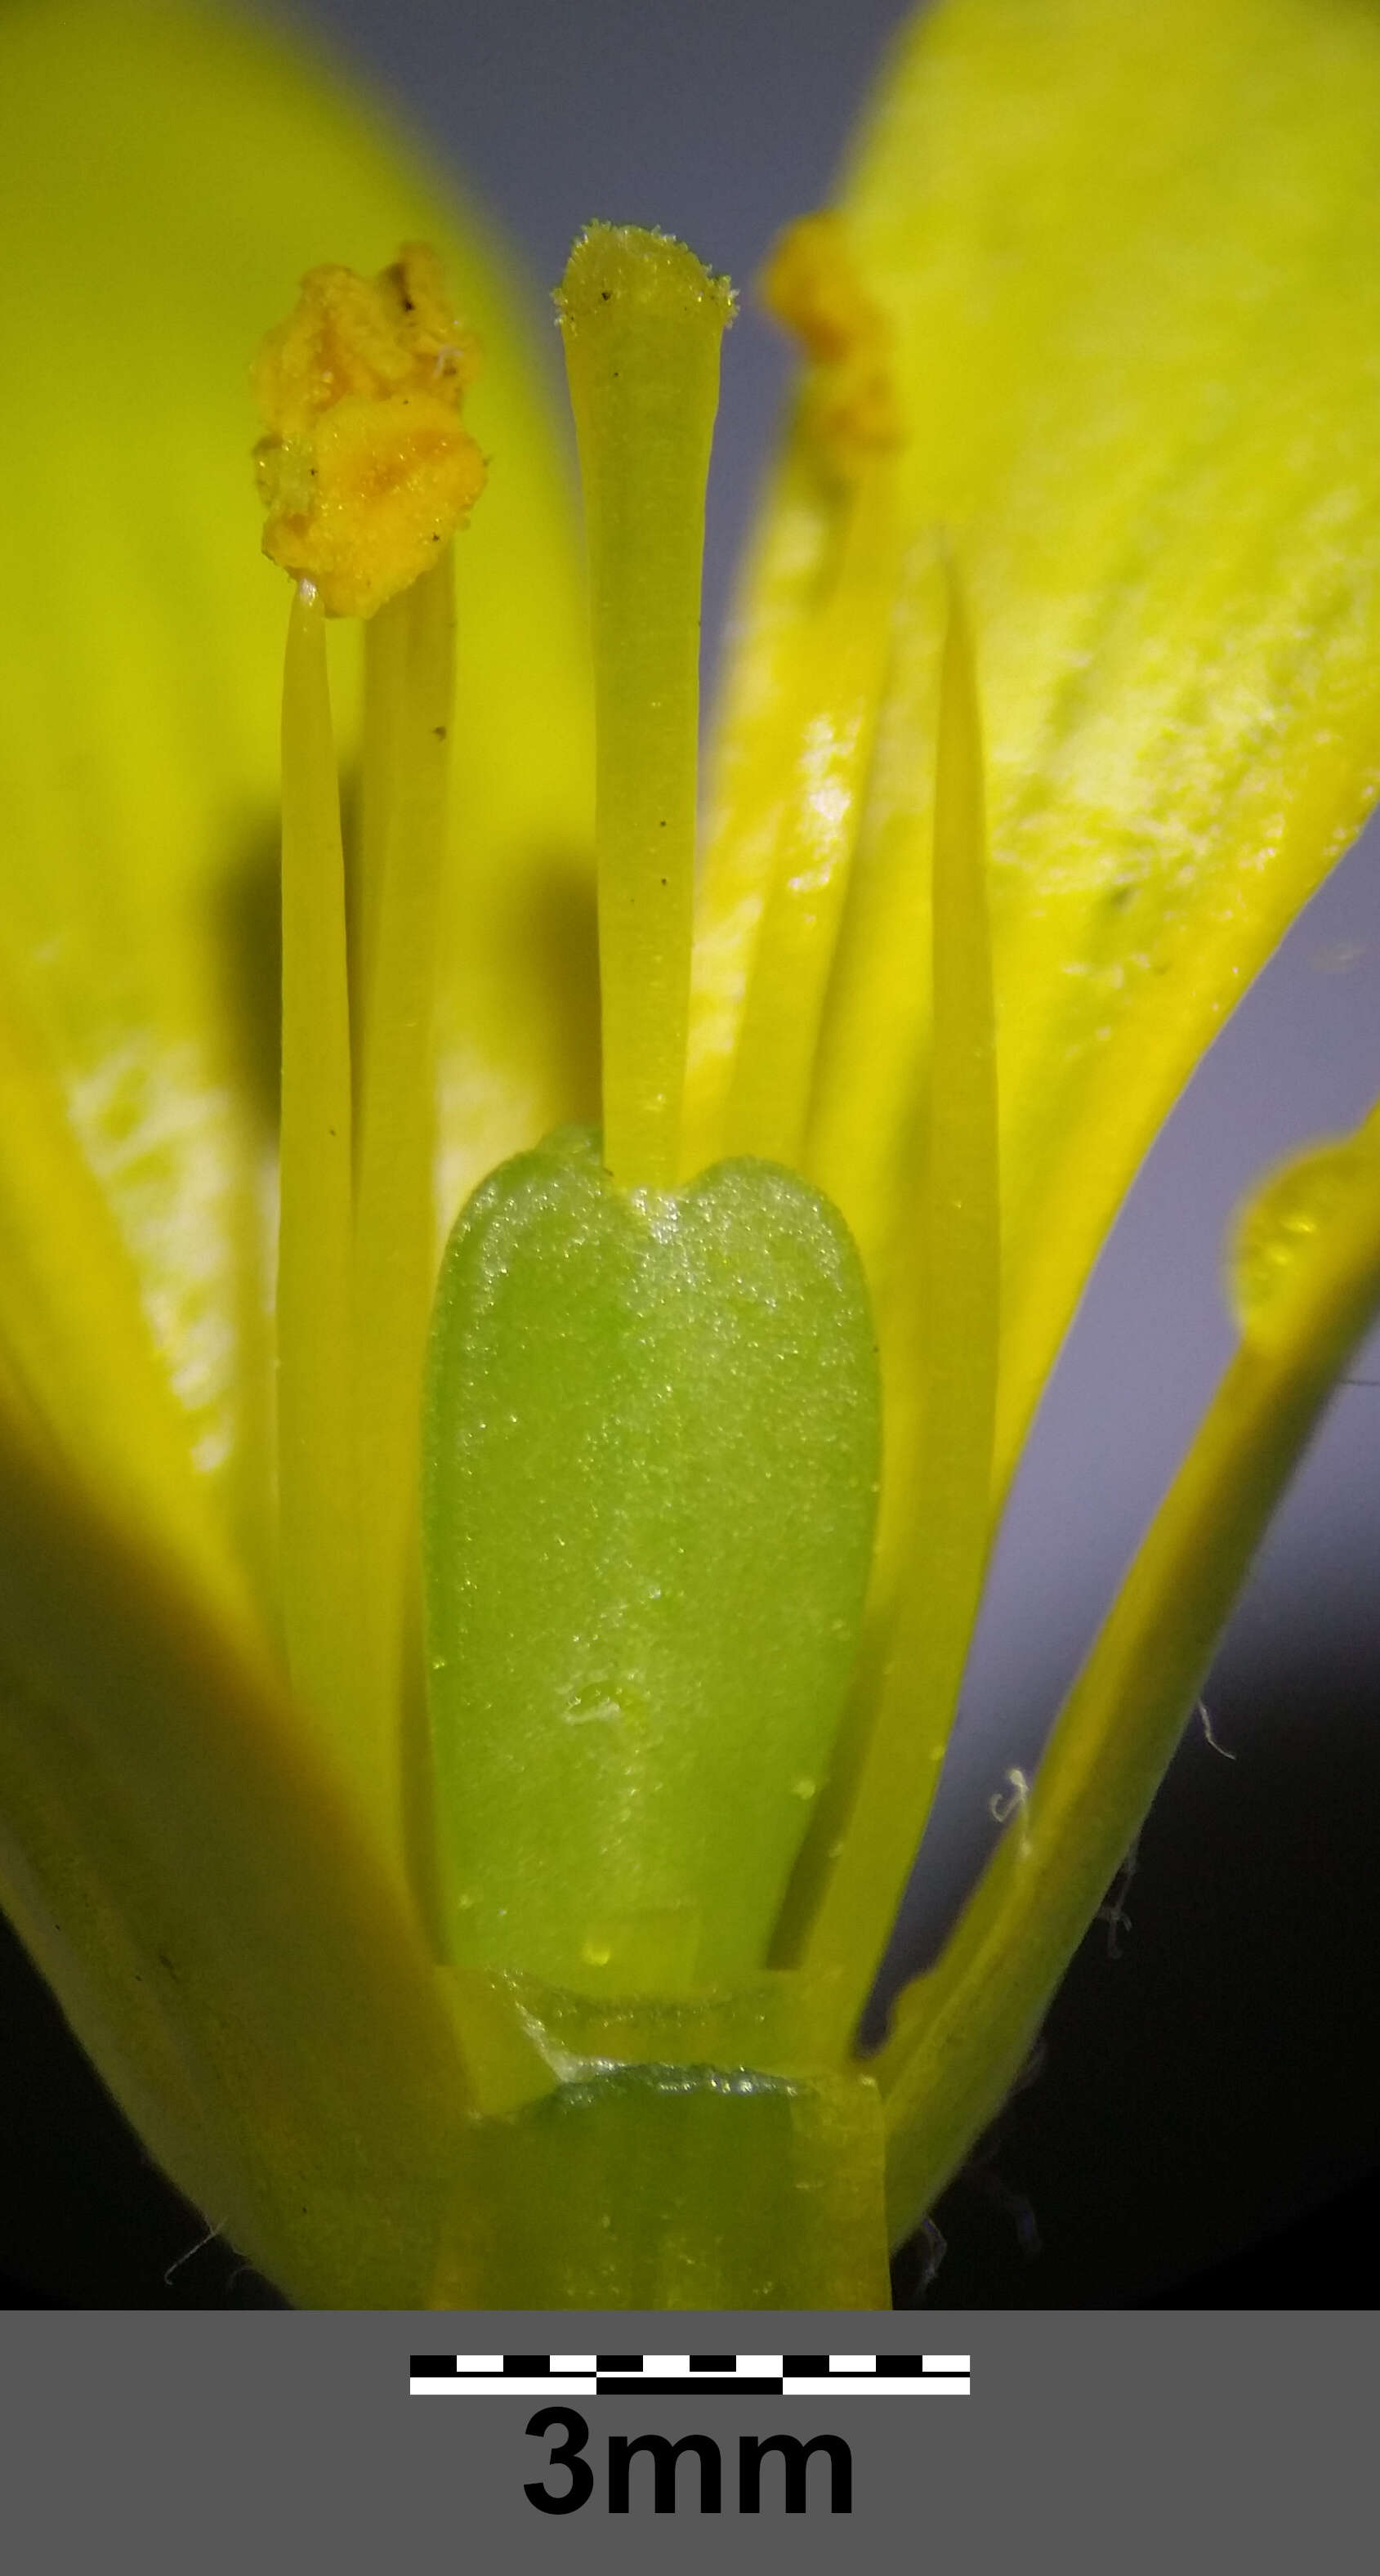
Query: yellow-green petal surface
(225, 1942)
(219, 1936)
(167, 173)
(1129, 257)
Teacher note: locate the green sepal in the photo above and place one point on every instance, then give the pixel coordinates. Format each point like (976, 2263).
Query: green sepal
(732, 2190)
(705, 2152)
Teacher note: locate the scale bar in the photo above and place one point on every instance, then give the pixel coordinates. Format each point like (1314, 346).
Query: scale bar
(609, 2374)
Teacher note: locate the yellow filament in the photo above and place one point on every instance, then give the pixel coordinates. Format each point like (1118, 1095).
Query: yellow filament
(874, 1043)
(756, 762)
(319, 1545)
(365, 473)
(941, 1481)
(409, 695)
(787, 812)
(830, 748)
(642, 321)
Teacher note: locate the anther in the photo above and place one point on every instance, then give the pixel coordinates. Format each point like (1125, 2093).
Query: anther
(812, 285)
(365, 471)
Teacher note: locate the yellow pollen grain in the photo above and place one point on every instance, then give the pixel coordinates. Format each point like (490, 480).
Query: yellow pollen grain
(811, 284)
(365, 470)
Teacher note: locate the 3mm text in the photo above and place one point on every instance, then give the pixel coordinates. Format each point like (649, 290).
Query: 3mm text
(792, 2483)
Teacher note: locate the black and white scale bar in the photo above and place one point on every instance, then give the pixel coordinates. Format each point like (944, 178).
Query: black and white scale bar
(683, 2374)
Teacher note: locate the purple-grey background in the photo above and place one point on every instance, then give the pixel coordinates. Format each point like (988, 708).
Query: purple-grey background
(1211, 2081)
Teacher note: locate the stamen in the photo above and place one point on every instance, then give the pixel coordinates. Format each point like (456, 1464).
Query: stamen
(409, 701)
(874, 1041)
(840, 690)
(318, 1536)
(939, 1486)
(366, 473)
(782, 843)
(642, 321)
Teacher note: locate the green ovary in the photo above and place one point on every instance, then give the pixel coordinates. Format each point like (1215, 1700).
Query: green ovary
(651, 1462)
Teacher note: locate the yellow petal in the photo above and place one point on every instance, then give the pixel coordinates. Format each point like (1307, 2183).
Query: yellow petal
(220, 1941)
(235, 1957)
(962, 2031)
(1129, 261)
(170, 173)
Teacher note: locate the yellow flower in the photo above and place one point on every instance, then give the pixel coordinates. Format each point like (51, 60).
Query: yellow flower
(1085, 469)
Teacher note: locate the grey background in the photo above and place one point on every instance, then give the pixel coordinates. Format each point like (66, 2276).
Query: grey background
(1209, 2083)
(288, 2443)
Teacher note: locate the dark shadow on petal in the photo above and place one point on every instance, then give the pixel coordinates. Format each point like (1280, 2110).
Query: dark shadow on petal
(247, 928)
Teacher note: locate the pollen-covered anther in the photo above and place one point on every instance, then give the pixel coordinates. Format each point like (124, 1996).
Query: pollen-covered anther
(365, 470)
(811, 284)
